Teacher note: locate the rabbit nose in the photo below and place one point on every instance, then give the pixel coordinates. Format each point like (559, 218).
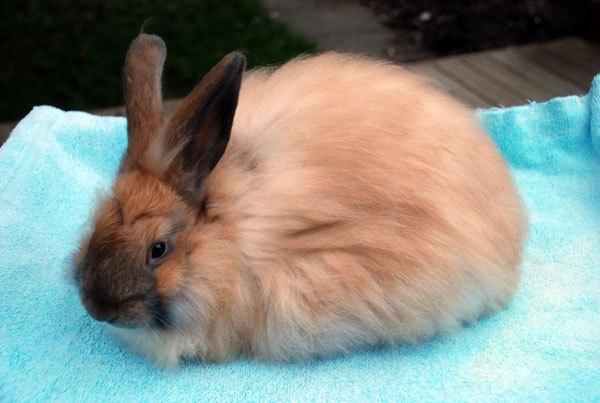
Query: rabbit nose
(110, 316)
(103, 315)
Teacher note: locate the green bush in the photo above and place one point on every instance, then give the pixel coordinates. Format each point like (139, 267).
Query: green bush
(70, 53)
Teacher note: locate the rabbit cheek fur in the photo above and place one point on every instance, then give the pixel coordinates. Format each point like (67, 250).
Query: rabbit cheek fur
(354, 205)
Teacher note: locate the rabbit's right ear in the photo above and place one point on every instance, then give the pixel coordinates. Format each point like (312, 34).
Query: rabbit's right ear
(143, 99)
(197, 134)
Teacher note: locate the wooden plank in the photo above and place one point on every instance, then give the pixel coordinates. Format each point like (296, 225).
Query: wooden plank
(514, 61)
(5, 130)
(447, 84)
(525, 88)
(169, 107)
(112, 111)
(559, 67)
(472, 79)
(584, 54)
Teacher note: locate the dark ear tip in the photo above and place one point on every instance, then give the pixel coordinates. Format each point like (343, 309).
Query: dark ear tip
(236, 60)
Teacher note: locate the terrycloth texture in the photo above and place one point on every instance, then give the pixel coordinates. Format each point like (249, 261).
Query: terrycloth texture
(545, 346)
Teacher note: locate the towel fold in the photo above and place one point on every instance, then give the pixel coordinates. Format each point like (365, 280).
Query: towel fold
(544, 346)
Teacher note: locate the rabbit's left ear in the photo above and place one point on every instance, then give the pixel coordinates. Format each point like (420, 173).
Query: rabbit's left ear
(143, 99)
(199, 130)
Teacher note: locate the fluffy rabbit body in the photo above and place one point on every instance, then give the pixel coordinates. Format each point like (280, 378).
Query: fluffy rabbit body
(344, 203)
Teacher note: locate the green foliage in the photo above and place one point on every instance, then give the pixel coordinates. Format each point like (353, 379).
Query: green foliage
(70, 53)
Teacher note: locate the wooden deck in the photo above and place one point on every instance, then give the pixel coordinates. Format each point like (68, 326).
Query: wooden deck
(516, 75)
(501, 77)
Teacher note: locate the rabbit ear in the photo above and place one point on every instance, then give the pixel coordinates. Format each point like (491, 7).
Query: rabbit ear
(199, 129)
(143, 99)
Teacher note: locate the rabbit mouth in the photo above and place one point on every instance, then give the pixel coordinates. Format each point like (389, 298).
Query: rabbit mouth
(156, 321)
(132, 313)
(123, 325)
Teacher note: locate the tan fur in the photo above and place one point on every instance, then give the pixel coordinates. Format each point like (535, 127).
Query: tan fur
(143, 99)
(354, 205)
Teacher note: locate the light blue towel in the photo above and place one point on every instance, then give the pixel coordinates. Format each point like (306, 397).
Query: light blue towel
(545, 346)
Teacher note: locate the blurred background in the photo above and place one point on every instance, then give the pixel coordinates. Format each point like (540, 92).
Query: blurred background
(70, 53)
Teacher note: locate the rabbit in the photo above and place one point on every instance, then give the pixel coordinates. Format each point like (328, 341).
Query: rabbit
(331, 204)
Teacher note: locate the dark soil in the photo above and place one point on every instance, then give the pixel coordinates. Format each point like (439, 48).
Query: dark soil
(460, 26)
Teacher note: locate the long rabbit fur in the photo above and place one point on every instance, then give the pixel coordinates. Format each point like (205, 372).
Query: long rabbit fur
(354, 204)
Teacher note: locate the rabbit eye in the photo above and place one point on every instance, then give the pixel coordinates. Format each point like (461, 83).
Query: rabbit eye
(158, 250)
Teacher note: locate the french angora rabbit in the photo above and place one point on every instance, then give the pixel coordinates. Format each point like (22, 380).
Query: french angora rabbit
(330, 204)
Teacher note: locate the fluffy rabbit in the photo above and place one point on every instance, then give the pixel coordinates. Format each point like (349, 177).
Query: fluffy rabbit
(333, 203)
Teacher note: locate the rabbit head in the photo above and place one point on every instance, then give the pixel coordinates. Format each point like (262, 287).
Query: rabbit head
(130, 266)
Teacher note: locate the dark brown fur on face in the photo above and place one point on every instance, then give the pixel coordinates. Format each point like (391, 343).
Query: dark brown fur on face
(118, 283)
(156, 198)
